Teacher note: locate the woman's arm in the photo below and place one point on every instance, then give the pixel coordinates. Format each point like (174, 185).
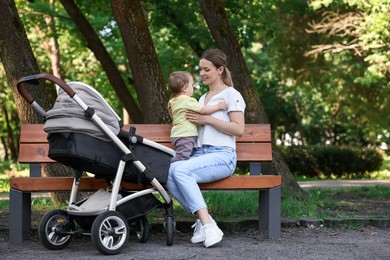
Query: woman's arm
(235, 127)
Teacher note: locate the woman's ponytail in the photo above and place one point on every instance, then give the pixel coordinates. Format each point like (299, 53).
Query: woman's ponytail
(219, 59)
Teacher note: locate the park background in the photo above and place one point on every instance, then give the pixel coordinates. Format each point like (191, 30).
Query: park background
(317, 71)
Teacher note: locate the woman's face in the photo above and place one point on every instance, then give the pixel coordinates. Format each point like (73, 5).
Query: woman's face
(208, 72)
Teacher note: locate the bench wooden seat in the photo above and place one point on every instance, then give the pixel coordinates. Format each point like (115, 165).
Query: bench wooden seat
(253, 147)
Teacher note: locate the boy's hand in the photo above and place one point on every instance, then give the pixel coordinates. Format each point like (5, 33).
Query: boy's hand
(169, 110)
(222, 105)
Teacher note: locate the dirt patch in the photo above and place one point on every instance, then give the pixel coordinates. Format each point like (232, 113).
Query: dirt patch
(352, 205)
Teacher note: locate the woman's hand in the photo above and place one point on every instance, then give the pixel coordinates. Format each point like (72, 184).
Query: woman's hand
(196, 118)
(235, 126)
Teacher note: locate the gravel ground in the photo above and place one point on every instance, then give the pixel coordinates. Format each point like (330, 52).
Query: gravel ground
(295, 243)
(241, 241)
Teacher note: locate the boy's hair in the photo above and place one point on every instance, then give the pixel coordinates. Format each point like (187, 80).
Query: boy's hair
(177, 80)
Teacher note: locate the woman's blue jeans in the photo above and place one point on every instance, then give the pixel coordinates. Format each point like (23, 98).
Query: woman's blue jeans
(207, 164)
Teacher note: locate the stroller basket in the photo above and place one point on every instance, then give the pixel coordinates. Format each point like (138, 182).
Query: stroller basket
(131, 210)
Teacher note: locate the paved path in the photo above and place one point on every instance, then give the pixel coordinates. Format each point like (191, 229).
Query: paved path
(328, 184)
(295, 243)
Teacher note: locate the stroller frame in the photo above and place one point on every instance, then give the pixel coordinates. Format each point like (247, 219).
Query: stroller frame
(107, 214)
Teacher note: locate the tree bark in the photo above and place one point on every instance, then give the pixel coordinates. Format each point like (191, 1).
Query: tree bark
(54, 49)
(19, 61)
(145, 68)
(223, 34)
(11, 145)
(96, 46)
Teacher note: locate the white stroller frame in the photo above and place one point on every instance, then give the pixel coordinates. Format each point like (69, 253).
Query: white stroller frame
(114, 202)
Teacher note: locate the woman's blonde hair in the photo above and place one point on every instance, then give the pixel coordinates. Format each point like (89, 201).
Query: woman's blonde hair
(219, 59)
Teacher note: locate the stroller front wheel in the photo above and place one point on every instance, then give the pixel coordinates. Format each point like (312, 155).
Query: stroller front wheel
(110, 232)
(55, 228)
(169, 226)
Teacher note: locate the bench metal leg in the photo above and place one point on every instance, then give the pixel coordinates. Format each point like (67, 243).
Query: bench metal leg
(269, 211)
(19, 215)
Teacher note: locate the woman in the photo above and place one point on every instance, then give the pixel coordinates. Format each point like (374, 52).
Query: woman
(214, 157)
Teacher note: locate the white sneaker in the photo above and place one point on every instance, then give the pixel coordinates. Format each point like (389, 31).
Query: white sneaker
(198, 236)
(212, 235)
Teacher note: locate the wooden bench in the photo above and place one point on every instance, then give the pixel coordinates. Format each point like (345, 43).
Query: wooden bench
(253, 147)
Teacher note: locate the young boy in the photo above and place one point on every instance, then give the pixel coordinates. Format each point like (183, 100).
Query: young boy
(183, 132)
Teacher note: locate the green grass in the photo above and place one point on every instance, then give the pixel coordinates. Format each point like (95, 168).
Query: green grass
(242, 205)
(238, 205)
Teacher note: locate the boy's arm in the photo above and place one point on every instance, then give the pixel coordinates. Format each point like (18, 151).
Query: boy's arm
(208, 110)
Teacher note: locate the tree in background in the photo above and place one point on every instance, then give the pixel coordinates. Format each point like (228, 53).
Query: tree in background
(219, 25)
(147, 75)
(354, 38)
(18, 61)
(95, 44)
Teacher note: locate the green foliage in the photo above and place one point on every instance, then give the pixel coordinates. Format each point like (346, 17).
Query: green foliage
(336, 97)
(332, 161)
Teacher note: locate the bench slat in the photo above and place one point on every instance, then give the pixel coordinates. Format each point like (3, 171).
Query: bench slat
(246, 152)
(47, 184)
(33, 133)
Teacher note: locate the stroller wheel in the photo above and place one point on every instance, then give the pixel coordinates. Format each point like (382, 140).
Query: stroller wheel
(55, 228)
(110, 232)
(142, 229)
(169, 226)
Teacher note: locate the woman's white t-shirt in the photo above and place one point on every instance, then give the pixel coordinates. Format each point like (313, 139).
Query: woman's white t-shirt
(208, 135)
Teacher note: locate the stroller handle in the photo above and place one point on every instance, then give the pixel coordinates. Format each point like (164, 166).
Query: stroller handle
(33, 79)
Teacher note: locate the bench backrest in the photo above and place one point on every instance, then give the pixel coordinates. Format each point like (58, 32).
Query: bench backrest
(253, 146)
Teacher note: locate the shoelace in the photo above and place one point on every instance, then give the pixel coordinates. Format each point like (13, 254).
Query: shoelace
(197, 225)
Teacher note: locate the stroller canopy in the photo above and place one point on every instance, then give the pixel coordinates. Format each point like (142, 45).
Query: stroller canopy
(68, 116)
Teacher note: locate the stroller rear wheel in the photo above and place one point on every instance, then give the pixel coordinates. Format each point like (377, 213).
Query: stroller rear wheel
(142, 229)
(110, 232)
(55, 229)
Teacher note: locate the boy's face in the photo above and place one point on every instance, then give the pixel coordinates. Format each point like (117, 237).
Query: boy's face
(189, 88)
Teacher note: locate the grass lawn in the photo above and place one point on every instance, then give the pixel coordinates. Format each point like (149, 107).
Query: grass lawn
(242, 205)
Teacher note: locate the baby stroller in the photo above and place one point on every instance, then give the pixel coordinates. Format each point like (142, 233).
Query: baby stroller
(88, 136)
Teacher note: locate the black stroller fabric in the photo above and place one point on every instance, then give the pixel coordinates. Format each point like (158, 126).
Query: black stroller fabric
(101, 158)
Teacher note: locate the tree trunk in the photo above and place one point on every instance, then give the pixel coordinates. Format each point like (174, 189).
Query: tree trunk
(5, 146)
(223, 34)
(10, 137)
(97, 47)
(145, 68)
(53, 44)
(19, 61)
